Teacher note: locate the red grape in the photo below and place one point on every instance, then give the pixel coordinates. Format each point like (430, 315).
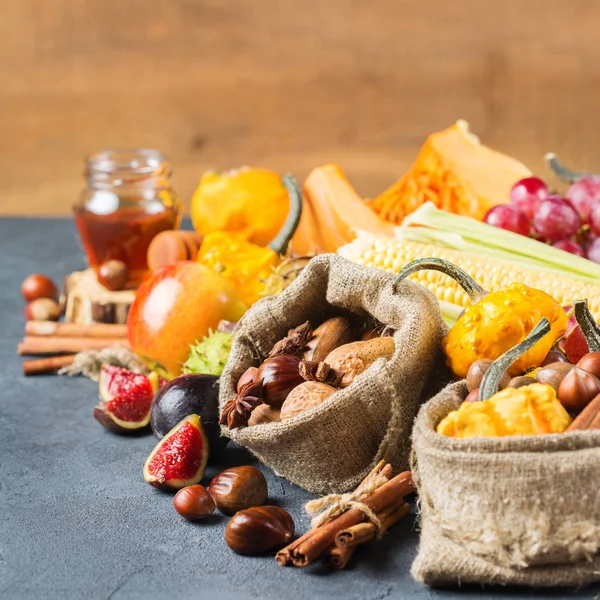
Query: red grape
(527, 194)
(569, 246)
(556, 219)
(594, 219)
(583, 194)
(593, 251)
(508, 217)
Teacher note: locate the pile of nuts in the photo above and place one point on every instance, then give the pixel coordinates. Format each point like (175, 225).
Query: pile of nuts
(304, 369)
(239, 491)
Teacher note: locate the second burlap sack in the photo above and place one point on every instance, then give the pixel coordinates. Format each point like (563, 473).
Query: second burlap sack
(522, 510)
(332, 447)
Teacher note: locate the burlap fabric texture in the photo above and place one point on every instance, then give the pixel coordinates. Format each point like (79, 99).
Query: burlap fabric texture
(521, 510)
(332, 447)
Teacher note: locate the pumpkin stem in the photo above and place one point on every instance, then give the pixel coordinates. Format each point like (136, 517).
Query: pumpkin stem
(466, 282)
(281, 241)
(491, 378)
(563, 172)
(585, 320)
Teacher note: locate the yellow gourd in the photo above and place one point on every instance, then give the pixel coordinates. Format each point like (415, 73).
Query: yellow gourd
(251, 204)
(529, 410)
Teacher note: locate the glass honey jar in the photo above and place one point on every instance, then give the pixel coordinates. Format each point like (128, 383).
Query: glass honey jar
(128, 200)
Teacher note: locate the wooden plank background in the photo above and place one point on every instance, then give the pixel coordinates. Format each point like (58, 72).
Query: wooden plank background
(288, 85)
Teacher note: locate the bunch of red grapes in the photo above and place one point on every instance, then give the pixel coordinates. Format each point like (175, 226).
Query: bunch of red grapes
(571, 223)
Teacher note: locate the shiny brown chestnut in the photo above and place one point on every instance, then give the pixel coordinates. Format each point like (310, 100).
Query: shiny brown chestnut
(473, 396)
(248, 376)
(553, 374)
(590, 362)
(113, 275)
(259, 529)
(280, 375)
(521, 381)
(476, 372)
(194, 502)
(38, 286)
(238, 488)
(578, 389)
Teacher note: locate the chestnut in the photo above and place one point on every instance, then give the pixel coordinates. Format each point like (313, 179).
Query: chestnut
(38, 286)
(472, 396)
(113, 275)
(477, 371)
(590, 362)
(280, 375)
(578, 389)
(520, 381)
(194, 502)
(248, 376)
(238, 488)
(258, 529)
(553, 374)
(42, 309)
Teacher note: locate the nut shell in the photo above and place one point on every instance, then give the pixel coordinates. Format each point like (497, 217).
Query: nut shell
(42, 309)
(553, 374)
(279, 375)
(259, 529)
(521, 381)
(38, 286)
(328, 336)
(477, 371)
(238, 488)
(113, 275)
(307, 395)
(194, 502)
(263, 413)
(590, 363)
(577, 389)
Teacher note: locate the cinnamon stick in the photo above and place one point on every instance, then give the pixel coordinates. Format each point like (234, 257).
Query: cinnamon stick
(54, 329)
(586, 416)
(367, 532)
(321, 538)
(284, 556)
(337, 558)
(61, 345)
(39, 366)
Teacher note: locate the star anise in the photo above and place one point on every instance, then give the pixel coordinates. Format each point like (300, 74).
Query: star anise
(320, 371)
(294, 342)
(237, 411)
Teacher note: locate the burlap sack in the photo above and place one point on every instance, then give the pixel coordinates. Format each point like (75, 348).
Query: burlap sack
(331, 447)
(515, 510)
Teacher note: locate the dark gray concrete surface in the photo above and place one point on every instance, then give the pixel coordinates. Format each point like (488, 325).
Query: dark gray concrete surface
(77, 519)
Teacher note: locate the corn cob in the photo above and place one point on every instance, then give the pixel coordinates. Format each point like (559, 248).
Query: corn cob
(392, 254)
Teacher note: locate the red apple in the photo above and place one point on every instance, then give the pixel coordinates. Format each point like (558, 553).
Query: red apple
(574, 344)
(176, 306)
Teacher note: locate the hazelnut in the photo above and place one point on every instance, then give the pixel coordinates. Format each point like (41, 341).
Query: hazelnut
(258, 529)
(307, 395)
(194, 502)
(113, 275)
(238, 488)
(38, 286)
(42, 309)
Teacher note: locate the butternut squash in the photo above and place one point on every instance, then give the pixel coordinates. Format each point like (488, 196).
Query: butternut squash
(455, 172)
(337, 211)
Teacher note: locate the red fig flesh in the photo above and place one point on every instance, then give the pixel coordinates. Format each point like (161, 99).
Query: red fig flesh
(180, 458)
(125, 399)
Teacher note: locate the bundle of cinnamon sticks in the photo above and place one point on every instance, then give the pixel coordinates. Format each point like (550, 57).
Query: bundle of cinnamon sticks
(60, 342)
(335, 541)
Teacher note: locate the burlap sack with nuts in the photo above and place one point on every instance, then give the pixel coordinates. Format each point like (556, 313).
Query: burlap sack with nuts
(521, 510)
(331, 447)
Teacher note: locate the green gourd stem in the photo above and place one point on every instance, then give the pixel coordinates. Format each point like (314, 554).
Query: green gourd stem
(563, 172)
(466, 282)
(281, 241)
(587, 324)
(491, 378)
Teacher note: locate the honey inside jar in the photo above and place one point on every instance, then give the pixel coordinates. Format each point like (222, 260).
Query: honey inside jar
(128, 201)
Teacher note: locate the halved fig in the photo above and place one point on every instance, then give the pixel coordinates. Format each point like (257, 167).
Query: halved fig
(180, 458)
(125, 399)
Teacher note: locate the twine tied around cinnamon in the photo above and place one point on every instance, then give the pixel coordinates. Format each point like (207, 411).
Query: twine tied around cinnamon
(330, 506)
(89, 362)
